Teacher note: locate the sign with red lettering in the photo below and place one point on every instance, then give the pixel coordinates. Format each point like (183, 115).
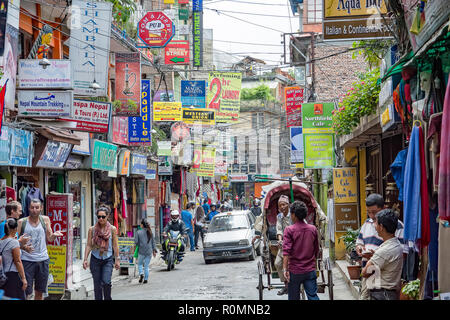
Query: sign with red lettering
(294, 99)
(177, 52)
(156, 29)
(91, 116)
(59, 210)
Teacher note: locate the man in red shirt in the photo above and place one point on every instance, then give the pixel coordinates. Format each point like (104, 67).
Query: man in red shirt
(300, 251)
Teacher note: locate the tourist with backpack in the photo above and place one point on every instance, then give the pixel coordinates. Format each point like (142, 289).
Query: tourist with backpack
(36, 263)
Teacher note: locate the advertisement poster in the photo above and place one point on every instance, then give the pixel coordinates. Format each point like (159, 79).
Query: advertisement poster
(177, 52)
(56, 76)
(21, 147)
(208, 162)
(293, 99)
(54, 155)
(296, 144)
(8, 62)
(345, 185)
(319, 150)
(120, 130)
(140, 128)
(197, 39)
(89, 43)
(59, 211)
(57, 269)
(156, 29)
(128, 84)
(47, 104)
(193, 93)
(91, 116)
(198, 116)
(126, 252)
(224, 95)
(166, 111)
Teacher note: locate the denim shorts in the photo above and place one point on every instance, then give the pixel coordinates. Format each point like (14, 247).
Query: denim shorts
(37, 271)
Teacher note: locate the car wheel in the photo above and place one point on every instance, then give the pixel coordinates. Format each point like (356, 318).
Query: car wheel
(252, 255)
(208, 261)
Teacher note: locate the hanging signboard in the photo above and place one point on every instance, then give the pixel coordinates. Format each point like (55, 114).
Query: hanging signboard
(208, 162)
(126, 252)
(140, 128)
(193, 93)
(318, 151)
(296, 144)
(183, 14)
(56, 76)
(346, 216)
(103, 156)
(346, 9)
(177, 52)
(166, 111)
(123, 164)
(47, 104)
(21, 147)
(138, 163)
(89, 44)
(164, 148)
(128, 84)
(164, 166)
(198, 116)
(317, 117)
(3, 18)
(92, 116)
(155, 29)
(197, 39)
(224, 95)
(119, 132)
(293, 98)
(345, 185)
(85, 144)
(5, 146)
(151, 170)
(183, 1)
(197, 5)
(54, 155)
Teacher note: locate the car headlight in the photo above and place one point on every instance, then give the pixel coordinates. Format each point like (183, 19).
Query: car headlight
(244, 242)
(207, 245)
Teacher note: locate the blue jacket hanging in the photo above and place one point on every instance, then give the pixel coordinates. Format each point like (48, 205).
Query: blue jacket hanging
(398, 171)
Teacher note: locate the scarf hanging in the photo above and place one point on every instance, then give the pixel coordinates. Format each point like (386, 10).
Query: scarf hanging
(444, 162)
(101, 237)
(425, 217)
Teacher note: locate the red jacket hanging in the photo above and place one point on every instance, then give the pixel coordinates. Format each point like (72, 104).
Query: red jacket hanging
(425, 224)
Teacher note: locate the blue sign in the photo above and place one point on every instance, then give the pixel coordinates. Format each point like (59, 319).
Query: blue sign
(5, 146)
(140, 128)
(296, 134)
(197, 5)
(21, 147)
(138, 163)
(193, 93)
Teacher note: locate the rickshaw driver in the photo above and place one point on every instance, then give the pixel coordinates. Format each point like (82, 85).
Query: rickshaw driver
(283, 221)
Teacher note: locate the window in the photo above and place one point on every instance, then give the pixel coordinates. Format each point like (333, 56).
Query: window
(261, 120)
(254, 120)
(313, 11)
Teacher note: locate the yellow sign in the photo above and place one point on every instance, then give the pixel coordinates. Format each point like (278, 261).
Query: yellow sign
(345, 185)
(198, 116)
(353, 8)
(385, 117)
(57, 268)
(169, 1)
(224, 95)
(208, 162)
(166, 111)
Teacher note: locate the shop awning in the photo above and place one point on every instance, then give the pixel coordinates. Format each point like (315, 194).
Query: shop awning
(60, 135)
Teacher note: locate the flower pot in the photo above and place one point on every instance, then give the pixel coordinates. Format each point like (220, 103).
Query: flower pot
(354, 272)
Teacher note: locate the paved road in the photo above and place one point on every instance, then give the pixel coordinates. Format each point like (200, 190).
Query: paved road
(192, 279)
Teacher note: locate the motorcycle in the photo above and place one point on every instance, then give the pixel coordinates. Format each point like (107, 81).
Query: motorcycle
(173, 244)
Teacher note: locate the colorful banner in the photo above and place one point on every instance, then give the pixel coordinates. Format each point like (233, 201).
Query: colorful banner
(197, 39)
(224, 95)
(91, 116)
(89, 46)
(47, 104)
(193, 93)
(198, 116)
(345, 185)
(128, 84)
(140, 128)
(293, 97)
(123, 164)
(177, 52)
(296, 144)
(166, 111)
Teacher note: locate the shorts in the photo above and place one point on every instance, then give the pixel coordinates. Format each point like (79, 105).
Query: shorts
(37, 271)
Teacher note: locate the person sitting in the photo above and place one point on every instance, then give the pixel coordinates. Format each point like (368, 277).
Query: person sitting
(213, 212)
(256, 209)
(175, 224)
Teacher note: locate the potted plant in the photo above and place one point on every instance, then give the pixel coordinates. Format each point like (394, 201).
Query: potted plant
(410, 291)
(349, 239)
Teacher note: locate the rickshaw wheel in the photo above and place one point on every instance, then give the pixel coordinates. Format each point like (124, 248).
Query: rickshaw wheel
(261, 287)
(330, 284)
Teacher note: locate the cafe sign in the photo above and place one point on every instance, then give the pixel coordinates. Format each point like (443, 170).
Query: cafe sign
(345, 185)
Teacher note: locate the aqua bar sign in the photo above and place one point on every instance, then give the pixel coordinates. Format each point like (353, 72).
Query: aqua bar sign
(104, 155)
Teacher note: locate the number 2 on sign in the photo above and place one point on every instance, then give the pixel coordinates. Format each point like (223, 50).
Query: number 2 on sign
(215, 102)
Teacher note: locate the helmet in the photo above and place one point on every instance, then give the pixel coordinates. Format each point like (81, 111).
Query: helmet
(213, 205)
(174, 215)
(256, 202)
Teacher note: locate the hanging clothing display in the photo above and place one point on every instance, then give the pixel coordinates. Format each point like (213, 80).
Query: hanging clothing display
(425, 214)
(124, 198)
(434, 134)
(31, 194)
(398, 171)
(444, 162)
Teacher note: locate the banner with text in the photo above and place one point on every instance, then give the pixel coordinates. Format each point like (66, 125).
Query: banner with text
(224, 95)
(140, 128)
(293, 97)
(166, 111)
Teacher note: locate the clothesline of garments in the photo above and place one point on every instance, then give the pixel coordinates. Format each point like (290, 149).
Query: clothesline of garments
(25, 194)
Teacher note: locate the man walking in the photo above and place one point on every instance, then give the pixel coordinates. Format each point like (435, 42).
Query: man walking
(188, 220)
(384, 269)
(36, 263)
(300, 252)
(369, 240)
(283, 221)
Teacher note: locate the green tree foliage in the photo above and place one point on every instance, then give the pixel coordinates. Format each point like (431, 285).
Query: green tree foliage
(122, 10)
(373, 51)
(261, 92)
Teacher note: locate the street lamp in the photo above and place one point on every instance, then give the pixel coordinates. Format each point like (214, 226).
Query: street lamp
(94, 85)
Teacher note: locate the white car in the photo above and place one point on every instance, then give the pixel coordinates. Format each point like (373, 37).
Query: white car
(230, 236)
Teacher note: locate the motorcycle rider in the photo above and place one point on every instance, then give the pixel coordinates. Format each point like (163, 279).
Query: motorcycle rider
(255, 209)
(175, 224)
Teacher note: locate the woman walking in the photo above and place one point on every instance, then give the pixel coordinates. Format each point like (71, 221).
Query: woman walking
(102, 242)
(199, 224)
(144, 239)
(12, 264)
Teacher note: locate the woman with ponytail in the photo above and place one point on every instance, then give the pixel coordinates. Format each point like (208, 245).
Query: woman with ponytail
(146, 243)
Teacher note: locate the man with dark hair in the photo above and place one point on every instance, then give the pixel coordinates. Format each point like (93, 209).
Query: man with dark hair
(14, 210)
(369, 240)
(300, 251)
(384, 269)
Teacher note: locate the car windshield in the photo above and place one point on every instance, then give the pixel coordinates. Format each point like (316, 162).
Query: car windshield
(227, 223)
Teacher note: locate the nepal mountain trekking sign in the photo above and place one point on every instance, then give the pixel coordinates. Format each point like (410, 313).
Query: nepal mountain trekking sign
(155, 29)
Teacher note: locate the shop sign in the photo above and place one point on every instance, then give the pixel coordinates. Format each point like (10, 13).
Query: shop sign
(208, 162)
(164, 166)
(56, 76)
(239, 178)
(317, 117)
(388, 117)
(193, 93)
(346, 216)
(138, 163)
(183, 14)
(244, 168)
(128, 84)
(119, 131)
(183, 1)
(57, 268)
(155, 29)
(21, 147)
(345, 185)
(318, 150)
(126, 252)
(89, 46)
(177, 52)
(252, 168)
(59, 211)
(164, 148)
(221, 167)
(198, 116)
(103, 156)
(224, 95)
(300, 75)
(54, 155)
(5, 146)
(353, 8)
(296, 144)
(151, 170)
(74, 162)
(91, 116)
(358, 29)
(293, 97)
(140, 128)
(47, 104)
(197, 39)
(197, 5)
(169, 1)
(85, 146)
(124, 162)
(166, 111)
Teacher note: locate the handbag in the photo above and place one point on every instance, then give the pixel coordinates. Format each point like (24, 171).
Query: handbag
(3, 277)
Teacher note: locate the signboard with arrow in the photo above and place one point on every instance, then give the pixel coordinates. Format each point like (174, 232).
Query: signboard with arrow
(177, 52)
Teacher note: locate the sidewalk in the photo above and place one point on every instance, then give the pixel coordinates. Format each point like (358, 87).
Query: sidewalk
(352, 284)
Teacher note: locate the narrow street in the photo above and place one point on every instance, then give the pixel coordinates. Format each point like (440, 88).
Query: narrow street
(192, 279)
